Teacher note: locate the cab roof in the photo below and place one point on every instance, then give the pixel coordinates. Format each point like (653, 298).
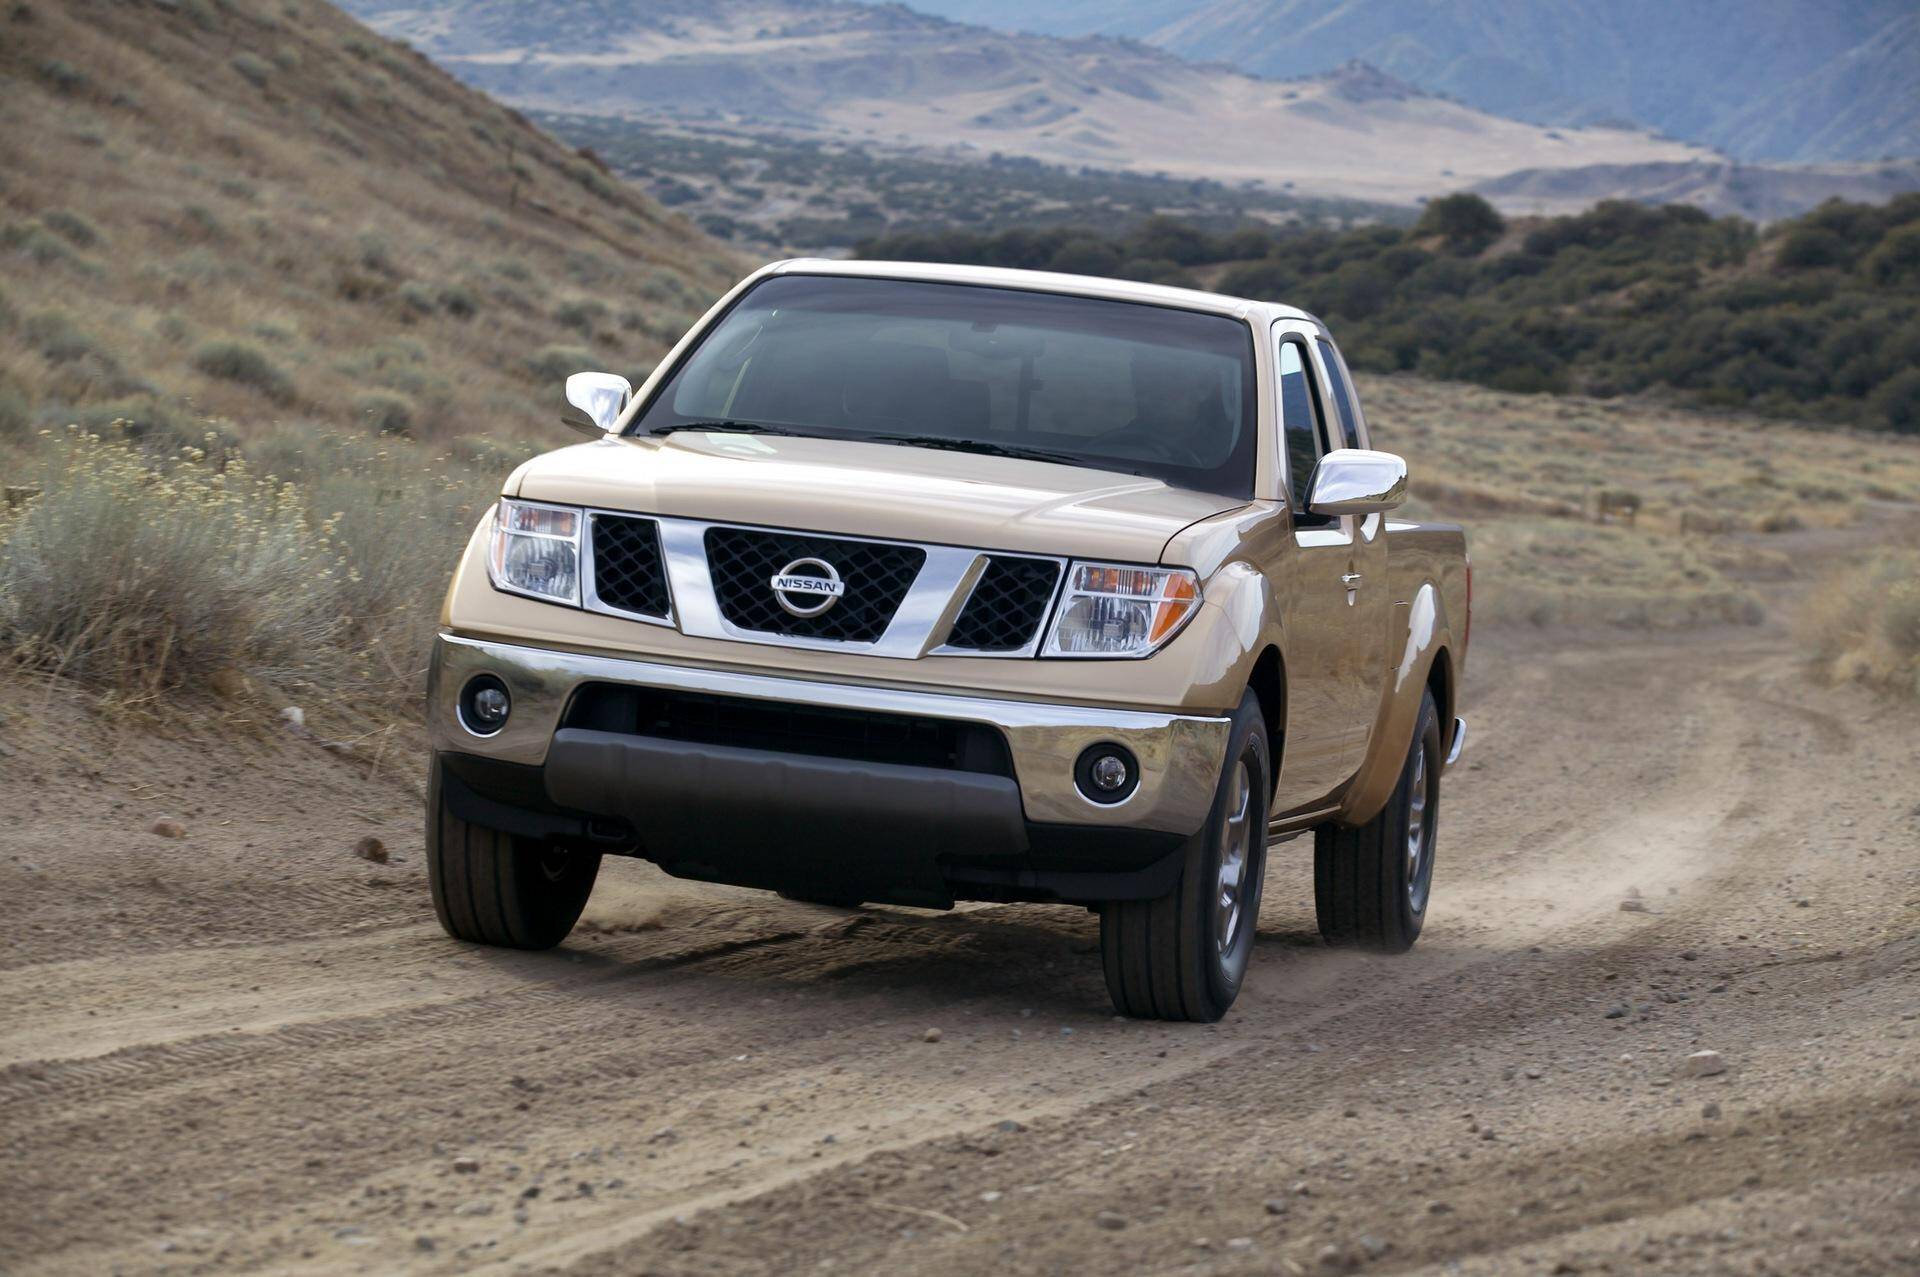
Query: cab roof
(1048, 282)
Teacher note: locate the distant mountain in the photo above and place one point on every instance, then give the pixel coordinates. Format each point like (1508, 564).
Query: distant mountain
(1792, 80)
(892, 77)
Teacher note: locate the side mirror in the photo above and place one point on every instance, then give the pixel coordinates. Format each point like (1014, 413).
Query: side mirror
(1358, 482)
(601, 396)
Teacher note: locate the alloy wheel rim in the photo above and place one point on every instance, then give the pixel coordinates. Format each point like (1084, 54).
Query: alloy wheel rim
(1236, 845)
(1419, 829)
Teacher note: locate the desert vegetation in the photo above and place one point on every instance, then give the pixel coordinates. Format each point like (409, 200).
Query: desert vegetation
(309, 563)
(1817, 318)
(1863, 624)
(776, 193)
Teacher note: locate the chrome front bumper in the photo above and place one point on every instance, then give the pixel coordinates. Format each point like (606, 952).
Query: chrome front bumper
(1180, 755)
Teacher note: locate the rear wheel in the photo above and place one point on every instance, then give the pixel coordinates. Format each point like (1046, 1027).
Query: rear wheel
(493, 888)
(1184, 956)
(1371, 882)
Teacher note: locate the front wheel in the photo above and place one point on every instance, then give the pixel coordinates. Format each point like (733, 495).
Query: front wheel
(493, 888)
(1184, 956)
(1371, 882)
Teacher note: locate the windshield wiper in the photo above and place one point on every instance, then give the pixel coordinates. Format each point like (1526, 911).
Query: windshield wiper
(723, 427)
(981, 446)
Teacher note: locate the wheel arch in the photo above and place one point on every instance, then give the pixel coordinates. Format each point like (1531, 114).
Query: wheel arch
(1268, 682)
(1426, 663)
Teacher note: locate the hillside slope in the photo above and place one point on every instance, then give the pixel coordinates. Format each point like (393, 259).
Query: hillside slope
(1799, 80)
(889, 76)
(250, 214)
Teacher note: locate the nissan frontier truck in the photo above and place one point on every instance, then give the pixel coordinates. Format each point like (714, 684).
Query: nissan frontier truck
(912, 584)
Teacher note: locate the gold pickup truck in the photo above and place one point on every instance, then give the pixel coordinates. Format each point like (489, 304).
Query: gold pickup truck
(910, 583)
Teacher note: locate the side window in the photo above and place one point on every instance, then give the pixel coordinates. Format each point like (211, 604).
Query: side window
(1299, 423)
(1342, 396)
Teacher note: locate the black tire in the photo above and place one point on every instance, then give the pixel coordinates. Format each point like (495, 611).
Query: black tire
(1163, 958)
(1370, 891)
(493, 888)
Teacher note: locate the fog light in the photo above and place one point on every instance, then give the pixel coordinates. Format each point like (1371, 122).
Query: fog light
(484, 705)
(1106, 774)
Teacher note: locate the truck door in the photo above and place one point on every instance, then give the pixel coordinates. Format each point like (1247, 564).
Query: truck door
(1335, 602)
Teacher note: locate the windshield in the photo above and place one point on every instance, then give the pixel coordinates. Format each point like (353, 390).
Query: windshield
(1146, 390)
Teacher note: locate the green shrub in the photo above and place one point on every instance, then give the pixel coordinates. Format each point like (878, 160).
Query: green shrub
(458, 301)
(556, 363)
(237, 361)
(1896, 262)
(1897, 402)
(38, 244)
(72, 227)
(64, 76)
(1465, 221)
(1808, 247)
(584, 314)
(54, 334)
(16, 412)
(416, 297)
(385, 413)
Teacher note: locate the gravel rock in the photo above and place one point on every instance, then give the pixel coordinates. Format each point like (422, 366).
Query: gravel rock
(1374, 1246)
(1633, 905)
(474, 1208)
(1439, 1208)
(1276, 1206)
(1710, 1109)
(166, 828)
(466, 1166)
(931, 1035)
(1330, 1259)
(371, 848)
(1703, 1064)
(1112, 1221)
(1619, 1012)
(1239, 1243)
(293, 716)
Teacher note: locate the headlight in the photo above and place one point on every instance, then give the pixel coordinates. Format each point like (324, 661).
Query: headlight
(536, 551)
(1114, 610)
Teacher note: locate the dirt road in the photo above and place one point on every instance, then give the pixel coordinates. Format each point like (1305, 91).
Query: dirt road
(247, 1049)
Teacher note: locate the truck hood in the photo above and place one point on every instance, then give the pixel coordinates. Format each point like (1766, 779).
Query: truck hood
(872, 489)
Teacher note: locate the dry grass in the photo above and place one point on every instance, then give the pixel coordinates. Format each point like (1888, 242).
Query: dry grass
(314, 568)
(1525, 473)
(266, 213)
(1862, 625)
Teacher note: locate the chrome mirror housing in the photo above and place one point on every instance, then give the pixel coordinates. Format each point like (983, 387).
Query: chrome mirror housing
(601, 395)
(1357, 481)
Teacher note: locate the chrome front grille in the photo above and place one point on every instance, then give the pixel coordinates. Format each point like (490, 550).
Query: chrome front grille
(629, 573)
(876, 576)
(1008, 605)
(892, 598)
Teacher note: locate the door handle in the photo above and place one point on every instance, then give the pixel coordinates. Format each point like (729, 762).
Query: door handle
(1350, 578)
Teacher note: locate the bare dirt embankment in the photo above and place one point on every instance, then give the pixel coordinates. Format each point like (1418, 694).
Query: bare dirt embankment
(249, 1049)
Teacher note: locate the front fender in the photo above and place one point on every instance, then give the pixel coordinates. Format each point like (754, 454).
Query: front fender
(1428, 640)
(1246, 622)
